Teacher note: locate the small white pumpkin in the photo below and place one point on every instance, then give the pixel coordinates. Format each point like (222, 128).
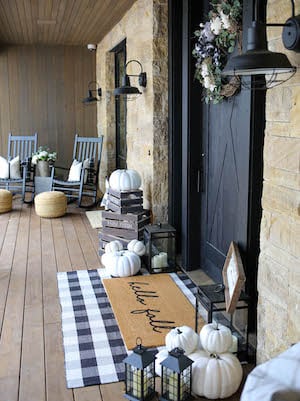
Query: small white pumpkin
(113, 246)
(159, 357)
(182, 337)
(122, 264)
(137, 247)
(125, 180)
(216, 376)
(215, 338)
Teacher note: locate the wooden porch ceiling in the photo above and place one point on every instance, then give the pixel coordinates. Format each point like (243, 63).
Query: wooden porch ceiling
(59, 22)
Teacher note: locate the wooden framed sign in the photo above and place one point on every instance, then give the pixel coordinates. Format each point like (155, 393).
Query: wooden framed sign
(233, 277)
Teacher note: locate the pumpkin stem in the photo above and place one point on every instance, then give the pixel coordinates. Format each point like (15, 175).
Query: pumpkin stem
(179, 331)
(213, 355)
(216, 325)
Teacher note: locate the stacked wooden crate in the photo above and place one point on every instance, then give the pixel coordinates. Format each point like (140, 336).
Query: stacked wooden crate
(125, 219)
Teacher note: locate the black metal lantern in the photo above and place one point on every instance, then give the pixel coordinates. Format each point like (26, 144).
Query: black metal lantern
(176, 377)
(160, 242)
(140, 373)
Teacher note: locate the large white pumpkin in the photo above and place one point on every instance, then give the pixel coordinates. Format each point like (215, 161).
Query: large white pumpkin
(137, 247)
(182, 337)
(125, 180)
(122, 263)
(215, 376)
(215, 338)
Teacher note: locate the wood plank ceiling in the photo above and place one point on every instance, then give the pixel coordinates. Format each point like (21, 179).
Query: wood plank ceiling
(58, 22)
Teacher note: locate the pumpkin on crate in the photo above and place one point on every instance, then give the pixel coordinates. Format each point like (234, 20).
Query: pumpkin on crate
(137, 247)
(215, 376)
(122, 263)
(125, 180)
(182, 337)
(216, 338)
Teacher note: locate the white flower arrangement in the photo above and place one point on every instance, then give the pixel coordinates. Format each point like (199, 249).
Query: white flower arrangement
(43, 153)
(215, 40)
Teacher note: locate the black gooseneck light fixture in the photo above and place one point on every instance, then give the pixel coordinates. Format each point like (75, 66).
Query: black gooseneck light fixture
(91, 98)
(126, 89)
(258, 60)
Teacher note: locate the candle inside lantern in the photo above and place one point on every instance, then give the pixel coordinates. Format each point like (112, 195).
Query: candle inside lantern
(163, 259)
(156, 263)
(172, 386)
(137, 383)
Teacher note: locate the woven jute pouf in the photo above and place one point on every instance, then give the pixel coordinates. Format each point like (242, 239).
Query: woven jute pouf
(5, 201)
(50, 204)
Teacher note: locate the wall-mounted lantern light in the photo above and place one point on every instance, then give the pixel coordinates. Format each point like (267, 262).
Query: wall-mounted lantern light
(91, 98)
(126, 88)
(258, 60)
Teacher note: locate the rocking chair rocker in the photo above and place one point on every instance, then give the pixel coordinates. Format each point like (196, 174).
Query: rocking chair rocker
(87, 157)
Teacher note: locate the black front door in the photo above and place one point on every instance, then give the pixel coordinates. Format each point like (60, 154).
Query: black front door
(224, 181)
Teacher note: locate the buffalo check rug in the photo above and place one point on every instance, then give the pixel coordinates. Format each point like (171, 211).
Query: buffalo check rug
(93, 345)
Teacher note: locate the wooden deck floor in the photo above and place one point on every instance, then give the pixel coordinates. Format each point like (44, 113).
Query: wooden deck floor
(32, 251)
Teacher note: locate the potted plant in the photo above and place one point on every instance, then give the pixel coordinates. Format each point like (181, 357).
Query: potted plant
(41, 159)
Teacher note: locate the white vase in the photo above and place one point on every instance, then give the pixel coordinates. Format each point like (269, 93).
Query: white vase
(42, 168)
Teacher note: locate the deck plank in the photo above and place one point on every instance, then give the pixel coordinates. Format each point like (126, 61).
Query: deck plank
(91, 257)
(32, 373)
(11, 335)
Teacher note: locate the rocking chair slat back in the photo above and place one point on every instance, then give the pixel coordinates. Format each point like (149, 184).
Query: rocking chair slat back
(87, 148)
(22, 146)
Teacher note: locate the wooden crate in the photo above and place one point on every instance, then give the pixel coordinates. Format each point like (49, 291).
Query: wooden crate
(125, 201)
(122, 227)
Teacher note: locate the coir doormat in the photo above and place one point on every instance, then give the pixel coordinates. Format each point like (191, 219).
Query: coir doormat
(148, 307)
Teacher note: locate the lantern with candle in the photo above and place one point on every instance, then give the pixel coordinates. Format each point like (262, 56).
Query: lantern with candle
(140, 373)
(160, 242)
(176, 377)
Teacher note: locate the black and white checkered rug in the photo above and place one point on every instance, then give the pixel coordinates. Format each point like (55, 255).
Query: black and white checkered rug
(93, 345)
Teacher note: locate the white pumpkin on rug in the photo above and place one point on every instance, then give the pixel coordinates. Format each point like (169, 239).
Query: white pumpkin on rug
(125, 180)
(215, 376)
(182, 337)
(122, 263)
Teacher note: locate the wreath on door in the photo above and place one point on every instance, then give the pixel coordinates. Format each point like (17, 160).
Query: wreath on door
(216, 39)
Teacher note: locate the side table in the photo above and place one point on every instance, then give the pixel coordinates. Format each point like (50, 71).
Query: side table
(42, 184)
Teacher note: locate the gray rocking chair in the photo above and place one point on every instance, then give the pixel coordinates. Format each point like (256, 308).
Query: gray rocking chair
(22, 146)
(85, 149)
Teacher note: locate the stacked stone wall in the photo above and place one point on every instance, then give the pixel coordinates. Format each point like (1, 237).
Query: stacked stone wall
(279, 262)
(145, 28)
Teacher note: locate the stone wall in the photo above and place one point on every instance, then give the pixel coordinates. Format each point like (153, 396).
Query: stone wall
(279, 262)
(145, 28)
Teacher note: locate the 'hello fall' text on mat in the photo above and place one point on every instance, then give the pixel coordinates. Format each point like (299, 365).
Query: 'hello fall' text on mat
(148, 307)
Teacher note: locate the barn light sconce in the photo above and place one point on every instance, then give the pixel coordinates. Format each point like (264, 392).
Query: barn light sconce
(91, 98)
(258, 60)
(126, 89)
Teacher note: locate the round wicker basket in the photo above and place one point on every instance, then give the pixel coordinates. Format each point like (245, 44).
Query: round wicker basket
(5, 201)
(50, 204)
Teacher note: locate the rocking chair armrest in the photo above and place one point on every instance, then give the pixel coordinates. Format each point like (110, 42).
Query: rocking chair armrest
(54, 168)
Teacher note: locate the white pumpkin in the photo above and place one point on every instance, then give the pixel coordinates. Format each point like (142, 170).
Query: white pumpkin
(125, 180)
(216, 376)
(122, 263)
(137, 247)
(113, 246)
(215, 338)
(182, 337)
(159, 357)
